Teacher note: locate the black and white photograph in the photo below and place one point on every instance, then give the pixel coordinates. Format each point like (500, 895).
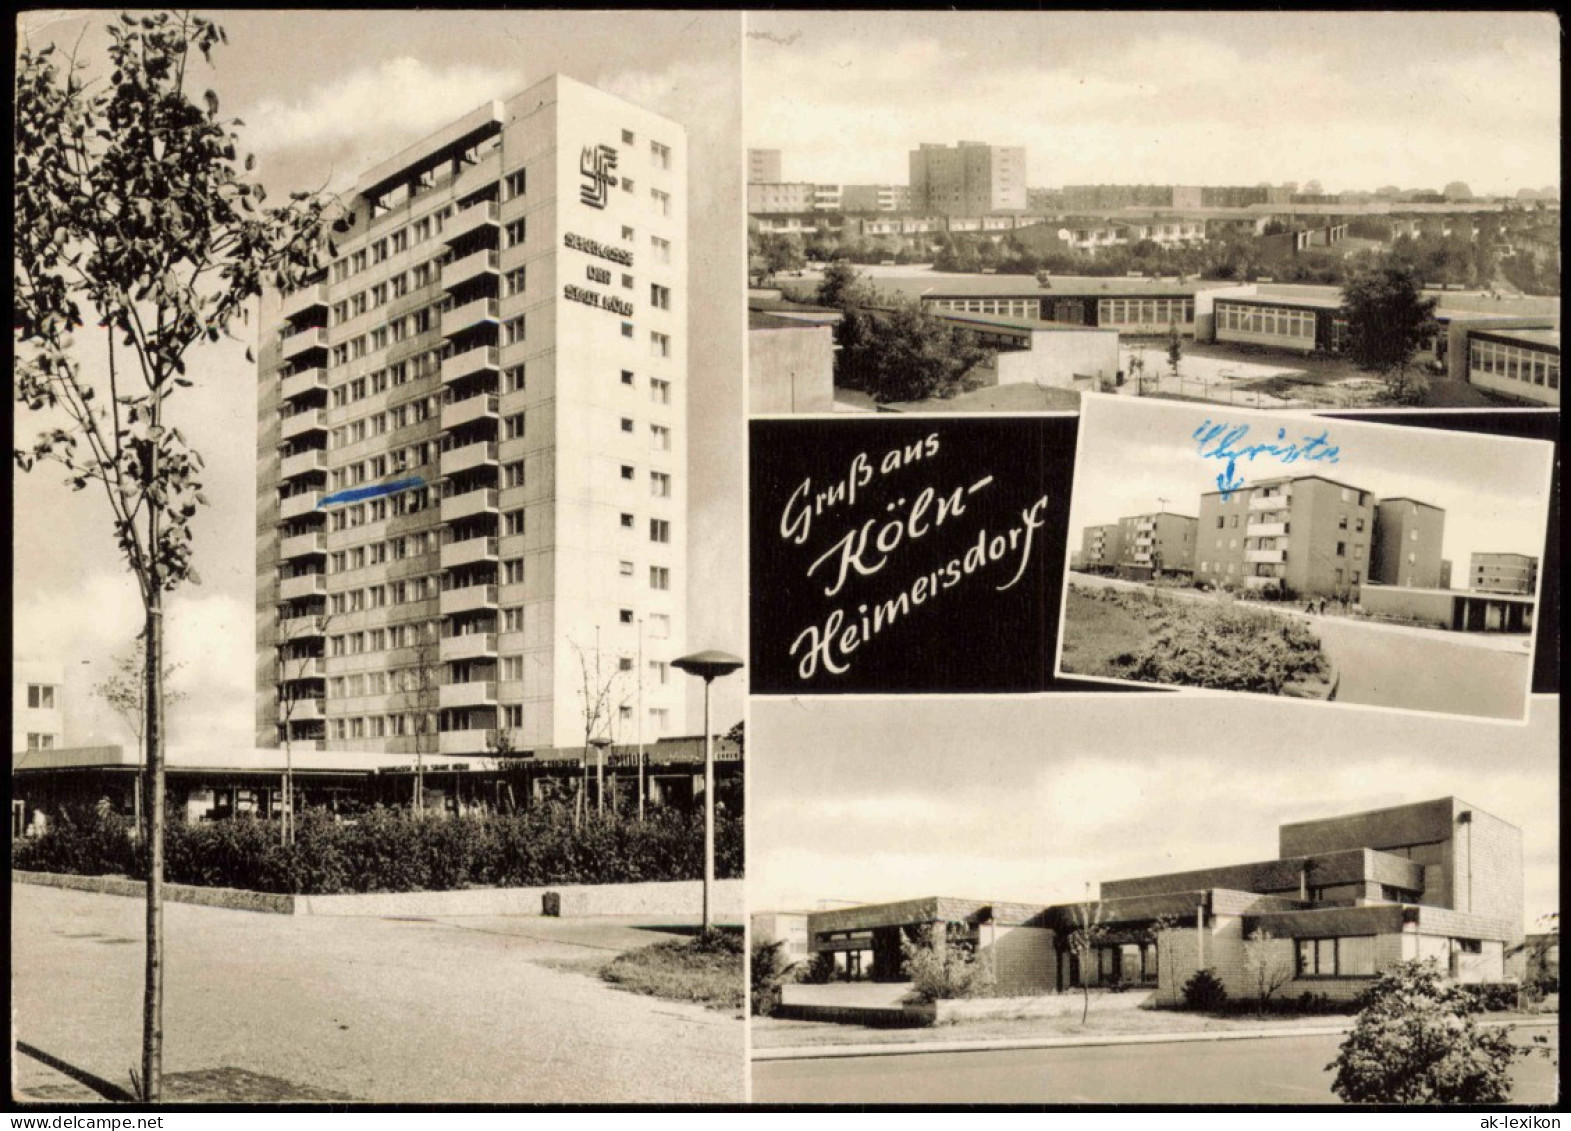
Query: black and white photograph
(961, 212)
(1312, 557)
(1183, 900)
(377, 731)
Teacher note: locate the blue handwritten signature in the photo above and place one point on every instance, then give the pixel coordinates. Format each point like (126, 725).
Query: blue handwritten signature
(1223, 441)
(373, 491)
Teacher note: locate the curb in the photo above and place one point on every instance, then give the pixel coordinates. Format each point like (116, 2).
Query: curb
(917, 1048)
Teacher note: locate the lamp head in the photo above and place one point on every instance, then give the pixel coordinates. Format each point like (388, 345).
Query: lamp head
(708, 665)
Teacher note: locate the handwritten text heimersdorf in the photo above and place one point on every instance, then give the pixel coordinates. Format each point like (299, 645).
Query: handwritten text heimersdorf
(866, 546)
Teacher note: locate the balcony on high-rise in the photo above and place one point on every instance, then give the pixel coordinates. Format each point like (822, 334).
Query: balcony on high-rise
(468, 362)
(305, 585)
(466, 599)
(482, 453)
(302, 546)
(306, 381)
(468, 646)
(302, 463)
(302, 423)
(297, 343)
(486, 261)
(481, 500)
(469, 551)
(471, 219)
(470, 316)
(296, 506)
(1266, 529)
(476, 693)
(455, 414)
(308, 297)
(1265, 556)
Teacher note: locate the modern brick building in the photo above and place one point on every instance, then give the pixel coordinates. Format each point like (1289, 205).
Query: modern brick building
(37, 706)
(1503, 573)
(1345, 898)
(472, 442)
(968, 179)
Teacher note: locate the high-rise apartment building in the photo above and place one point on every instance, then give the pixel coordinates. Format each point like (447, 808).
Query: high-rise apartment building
(763, 166)
(1162, 542)
(472, 445)
(1407, 544)
(969, 179)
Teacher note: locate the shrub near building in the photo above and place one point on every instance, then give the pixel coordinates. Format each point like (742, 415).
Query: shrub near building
(392, 850)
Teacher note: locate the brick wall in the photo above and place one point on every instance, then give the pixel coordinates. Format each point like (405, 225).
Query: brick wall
(1023, 959)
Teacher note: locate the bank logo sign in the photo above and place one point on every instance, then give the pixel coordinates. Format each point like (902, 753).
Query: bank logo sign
(595, 164)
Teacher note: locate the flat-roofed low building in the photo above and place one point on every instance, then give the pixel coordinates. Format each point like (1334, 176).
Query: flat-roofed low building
(790, 364)
(1523, 364)
(1046, 354)
(1303, 323)
(1345, 898)
(1460, 610)
(1503, 573)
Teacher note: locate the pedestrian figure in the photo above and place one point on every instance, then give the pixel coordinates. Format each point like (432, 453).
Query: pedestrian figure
(1322, 606)
(1309, 607)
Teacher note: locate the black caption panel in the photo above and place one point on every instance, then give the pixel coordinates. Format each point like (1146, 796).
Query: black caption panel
(893, 554)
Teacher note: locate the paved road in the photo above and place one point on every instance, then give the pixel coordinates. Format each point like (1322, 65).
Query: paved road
(1428, 672)
(1280, 1070)
(464, 1009)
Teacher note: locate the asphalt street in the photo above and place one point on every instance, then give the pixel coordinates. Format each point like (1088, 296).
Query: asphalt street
(1277, 1070)
(482, 1010)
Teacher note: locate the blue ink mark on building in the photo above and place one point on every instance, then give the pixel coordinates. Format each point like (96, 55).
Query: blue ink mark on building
(1225, 442)
(372, 491)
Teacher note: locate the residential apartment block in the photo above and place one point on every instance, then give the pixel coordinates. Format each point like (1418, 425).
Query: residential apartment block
(1303, 536)
(37, 706)
(472, 444)
(1345, 898)
(763, 166)
(968, 179)
(1157, 544)
(1408, 534)
(1102, 547)
(1503, 573)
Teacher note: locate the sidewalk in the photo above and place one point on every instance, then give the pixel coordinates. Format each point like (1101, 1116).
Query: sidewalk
(913, 1048)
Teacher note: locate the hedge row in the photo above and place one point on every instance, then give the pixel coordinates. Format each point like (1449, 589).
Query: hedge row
(390, 850)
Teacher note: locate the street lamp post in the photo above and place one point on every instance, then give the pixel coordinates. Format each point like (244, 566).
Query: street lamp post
(708, 666)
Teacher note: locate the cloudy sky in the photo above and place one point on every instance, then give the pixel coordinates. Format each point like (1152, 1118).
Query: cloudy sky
(1495, 491)
(1354, 100)
(1029, 799)
(325, 95)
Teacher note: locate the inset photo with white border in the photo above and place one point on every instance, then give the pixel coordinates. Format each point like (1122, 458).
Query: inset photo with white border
(1313, 557)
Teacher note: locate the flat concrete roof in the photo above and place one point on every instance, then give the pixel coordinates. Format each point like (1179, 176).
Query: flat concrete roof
(1478, 594)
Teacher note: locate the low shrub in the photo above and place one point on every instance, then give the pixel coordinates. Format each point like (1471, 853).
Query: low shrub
(1204, 991)
(944, 973)
(1489, 997)
(768, 970)
(704, 969)
(1218, 645)
(396, 850)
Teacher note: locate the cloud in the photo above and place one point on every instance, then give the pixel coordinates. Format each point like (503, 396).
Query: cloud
(370, 106)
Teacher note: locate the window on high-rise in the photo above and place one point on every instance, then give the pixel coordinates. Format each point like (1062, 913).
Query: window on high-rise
(41, 696)
(660, 344)
(513, 330)
(659, 577)
(627, 424)
(660, 155)
(515, 233)
(514, 184)
(659, 530)
(659, 391)
(660, 438)
(662, 201)
(659, 484)
(659, 297)
(513, 379)
(662, 249)
(516, 281)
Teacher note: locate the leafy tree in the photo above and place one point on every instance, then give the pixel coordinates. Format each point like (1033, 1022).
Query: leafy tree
(842, 286)
(1175, 350)
(1387, 320)
(1268, 964)
(1416, 1042)
(131, 198)
(944, 972)
(780, 252)
(125, 690)
(903, 353)
(767, 971)
(1088, 931)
